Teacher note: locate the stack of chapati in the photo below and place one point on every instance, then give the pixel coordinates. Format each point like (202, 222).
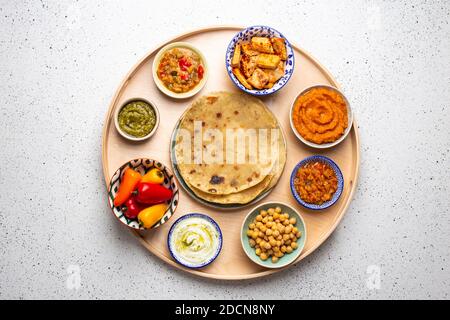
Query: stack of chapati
(214, 153)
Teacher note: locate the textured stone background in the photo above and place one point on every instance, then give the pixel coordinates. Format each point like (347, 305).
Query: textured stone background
(60, 63)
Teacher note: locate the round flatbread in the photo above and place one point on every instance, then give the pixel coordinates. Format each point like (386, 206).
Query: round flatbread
(219, 150)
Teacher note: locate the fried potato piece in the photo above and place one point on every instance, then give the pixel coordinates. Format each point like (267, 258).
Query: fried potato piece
(248, 65)
(236, 56)
(275, 75)
(241, 78)
(258, 79)
(267, 61)
(262, 44)
(248, 50)
(279, 47)
(269, 85)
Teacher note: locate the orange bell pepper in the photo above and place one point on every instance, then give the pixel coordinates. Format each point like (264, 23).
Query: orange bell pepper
(129, 182)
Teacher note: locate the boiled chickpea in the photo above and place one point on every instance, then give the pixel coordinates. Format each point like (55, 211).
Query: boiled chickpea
(269, 232)
(282, 218)
(276, 249)
(274, 259)
(294, 230)
(259, 225)
(252, 243)
(269, 252)
(261, 234)
(276, 233)
(292, 220)
(288, 242)
(288, 229)
(292, 236)
(258, 240)
(263, 213)
(279, 254)
(285, 237)
(298, 235)
(286, 222)
(278, 243)
(264, 220)
(271, 211)
(289, 249)
(258, 217)
(294, 245)
(273, 243)
(249, 233)
(267, 246)
(277, 209)
(269, 219)
(283, 249)
(269, 224)
(254, 235)
(263, 256)
(276, 216)
(258, 251)
(251, 226)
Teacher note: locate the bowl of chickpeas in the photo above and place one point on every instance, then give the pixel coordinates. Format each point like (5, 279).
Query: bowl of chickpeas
(273, 235)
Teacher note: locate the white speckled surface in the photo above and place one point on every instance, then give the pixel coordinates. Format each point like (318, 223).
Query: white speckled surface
(60, 63)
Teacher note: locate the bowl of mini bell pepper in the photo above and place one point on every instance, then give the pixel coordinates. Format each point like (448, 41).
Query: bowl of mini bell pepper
(143, 194)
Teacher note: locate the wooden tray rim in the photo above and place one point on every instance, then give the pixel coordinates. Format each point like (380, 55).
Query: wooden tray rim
(151, 248)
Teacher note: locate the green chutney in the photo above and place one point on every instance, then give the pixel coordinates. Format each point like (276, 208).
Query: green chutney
(137, 118)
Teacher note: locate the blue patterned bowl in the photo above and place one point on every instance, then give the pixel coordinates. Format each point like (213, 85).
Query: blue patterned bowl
(202, 216)
(143, 165)
(246, 35)
(339, 177)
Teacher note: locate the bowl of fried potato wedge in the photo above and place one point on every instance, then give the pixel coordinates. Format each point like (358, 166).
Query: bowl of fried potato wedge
(259, 60)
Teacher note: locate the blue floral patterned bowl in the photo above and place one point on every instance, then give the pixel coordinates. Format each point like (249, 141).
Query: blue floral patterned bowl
(246, 35)
(336, 170)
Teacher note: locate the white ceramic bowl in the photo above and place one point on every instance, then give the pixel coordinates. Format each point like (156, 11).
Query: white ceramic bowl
(126, 135)
(159, 83)
(323, 145)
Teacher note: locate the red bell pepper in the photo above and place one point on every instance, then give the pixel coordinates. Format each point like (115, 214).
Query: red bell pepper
(150, 193)
(131, 208)
(200, 71)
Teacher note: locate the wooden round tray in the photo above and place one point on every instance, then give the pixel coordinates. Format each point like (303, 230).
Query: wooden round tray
(232, 263)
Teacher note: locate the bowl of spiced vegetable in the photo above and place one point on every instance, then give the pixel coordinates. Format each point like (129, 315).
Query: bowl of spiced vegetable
(180, 70)
(317, 182)
(143, 194)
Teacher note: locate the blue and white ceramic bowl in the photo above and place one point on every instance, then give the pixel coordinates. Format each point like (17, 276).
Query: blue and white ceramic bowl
(245, 36)
(143, 165)
(336, 170)
(209, 260)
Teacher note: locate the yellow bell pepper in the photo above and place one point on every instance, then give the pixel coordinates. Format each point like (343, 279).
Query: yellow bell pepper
(153, 176)
(151, 215)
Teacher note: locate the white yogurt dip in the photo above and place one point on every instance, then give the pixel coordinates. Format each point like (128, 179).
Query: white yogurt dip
(194, 241)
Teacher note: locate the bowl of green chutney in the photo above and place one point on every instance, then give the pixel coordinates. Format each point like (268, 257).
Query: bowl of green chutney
(137, 119)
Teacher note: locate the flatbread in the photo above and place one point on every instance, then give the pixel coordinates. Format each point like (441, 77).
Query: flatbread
(248, 195)
(224, 111)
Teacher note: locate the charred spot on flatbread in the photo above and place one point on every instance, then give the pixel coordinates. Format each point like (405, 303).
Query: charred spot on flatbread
(217, 180)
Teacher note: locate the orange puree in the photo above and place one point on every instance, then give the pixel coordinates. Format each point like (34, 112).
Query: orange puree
(320, 115)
